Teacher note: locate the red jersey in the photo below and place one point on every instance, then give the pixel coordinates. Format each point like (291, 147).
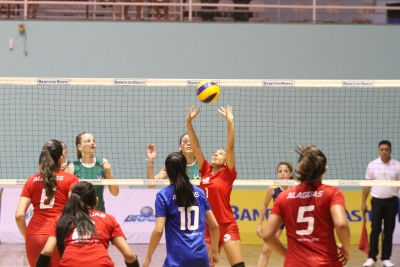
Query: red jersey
(218, 188)
(305, 210)
(93, 251)
(45, 210)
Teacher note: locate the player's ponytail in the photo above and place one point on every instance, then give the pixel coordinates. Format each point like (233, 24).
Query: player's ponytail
(49, 164)
(175, 165)
(311, 164)
(75, 216)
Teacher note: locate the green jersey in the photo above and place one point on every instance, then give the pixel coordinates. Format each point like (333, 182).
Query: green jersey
(193, 171)
(95, 172)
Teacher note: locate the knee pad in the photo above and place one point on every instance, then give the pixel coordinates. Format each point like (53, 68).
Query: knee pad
(240, 264)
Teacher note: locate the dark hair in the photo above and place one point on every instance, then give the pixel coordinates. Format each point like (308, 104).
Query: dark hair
(175, 165)
(49, 165)
(385, 142)
(180, 138)
(76, 215)
(311, 164)
(288, 164)
(78, 140)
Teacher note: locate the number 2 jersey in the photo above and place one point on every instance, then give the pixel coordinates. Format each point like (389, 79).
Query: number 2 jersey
(45, 210)
(305, 210)
(92, 251)
(184, 228)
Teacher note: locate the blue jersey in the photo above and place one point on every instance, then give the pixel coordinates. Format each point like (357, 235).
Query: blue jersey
(184, 228)
(277, 191)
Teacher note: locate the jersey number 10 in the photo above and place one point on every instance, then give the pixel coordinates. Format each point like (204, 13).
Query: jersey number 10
(191, 225)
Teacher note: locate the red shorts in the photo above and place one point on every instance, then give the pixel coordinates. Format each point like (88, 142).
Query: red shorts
(34, 245)
(227, 232)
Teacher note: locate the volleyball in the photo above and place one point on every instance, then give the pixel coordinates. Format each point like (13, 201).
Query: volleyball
(207, 91)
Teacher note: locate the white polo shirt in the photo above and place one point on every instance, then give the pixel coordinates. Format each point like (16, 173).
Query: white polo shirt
(377, 170)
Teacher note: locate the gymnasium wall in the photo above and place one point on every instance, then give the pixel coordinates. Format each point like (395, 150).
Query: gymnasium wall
(199, 50)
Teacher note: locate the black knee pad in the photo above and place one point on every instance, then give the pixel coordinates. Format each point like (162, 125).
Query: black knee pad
(240, 264)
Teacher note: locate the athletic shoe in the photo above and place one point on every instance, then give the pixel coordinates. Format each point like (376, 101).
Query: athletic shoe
(387, 263)
(369, 263)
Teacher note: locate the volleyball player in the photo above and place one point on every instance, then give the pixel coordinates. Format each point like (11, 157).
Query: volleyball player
(82, 234)
(65, 164)
(89, 167)
(185, 148)
(284, 172)
(311, 212)
(217, 181)
(182, 209)
(48, 192)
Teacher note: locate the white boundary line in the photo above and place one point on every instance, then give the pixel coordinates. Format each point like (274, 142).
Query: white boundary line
(263, 183)
(43, 81)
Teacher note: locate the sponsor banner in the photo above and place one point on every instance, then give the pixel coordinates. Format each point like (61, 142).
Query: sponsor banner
(246, 204)
(53, 81)
(132, 208)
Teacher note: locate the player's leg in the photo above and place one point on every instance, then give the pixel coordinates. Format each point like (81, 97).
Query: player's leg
(33, 246)
(232, 244)
(389, 223)
(157, 9)
(266, 253)
(166, 17)
(138, 10)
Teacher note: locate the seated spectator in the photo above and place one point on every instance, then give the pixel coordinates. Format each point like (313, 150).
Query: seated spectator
(138, 10)
(157, 9)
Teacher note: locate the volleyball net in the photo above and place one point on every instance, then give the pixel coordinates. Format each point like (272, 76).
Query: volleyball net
(345, 119)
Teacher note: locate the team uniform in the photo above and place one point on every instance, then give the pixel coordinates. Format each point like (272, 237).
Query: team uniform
(218, 188)
(184, 229)
(193, 171)
(93, 250)
(305, 209)
(277, 191)
(44, 211)
(95, 172)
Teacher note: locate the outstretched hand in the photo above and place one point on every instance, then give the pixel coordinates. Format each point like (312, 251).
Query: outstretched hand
(193, 111)
(151, 152)
(226, 112)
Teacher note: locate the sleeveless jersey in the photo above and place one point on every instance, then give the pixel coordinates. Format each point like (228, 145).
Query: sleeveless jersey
(184, 229)
(193, 171)
(45, 210)
(95, 172)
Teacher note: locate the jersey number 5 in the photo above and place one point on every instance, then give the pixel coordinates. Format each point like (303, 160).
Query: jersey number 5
(45, 203)
(302, 219)
(191, 225)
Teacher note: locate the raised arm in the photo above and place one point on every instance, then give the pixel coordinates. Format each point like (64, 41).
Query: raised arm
(151, 155)
(114, 189)
(230, 141)
(263, 210)
(194, 141)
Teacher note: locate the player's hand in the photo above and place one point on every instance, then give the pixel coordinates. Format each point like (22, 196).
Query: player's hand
(107, 168)
(343, 254)
(151, 152)
(214, 257)
(226, 112)
(364, 208)
(259, 231)
(146, 262)
(193, 111)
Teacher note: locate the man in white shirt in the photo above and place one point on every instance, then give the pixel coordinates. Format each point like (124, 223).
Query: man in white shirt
(384, 203)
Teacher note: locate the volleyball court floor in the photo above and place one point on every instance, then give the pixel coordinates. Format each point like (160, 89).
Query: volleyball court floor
(14, 255)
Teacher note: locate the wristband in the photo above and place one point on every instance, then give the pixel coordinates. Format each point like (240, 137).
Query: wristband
(150, 160)
(133, 264)
(43, 261)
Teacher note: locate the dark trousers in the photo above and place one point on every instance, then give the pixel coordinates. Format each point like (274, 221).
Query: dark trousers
(383, 209)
